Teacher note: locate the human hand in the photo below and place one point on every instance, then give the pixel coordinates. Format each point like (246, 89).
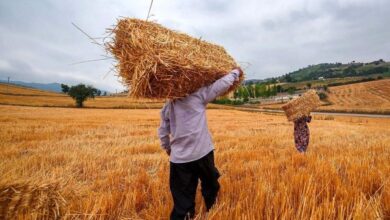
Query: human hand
(239, 70)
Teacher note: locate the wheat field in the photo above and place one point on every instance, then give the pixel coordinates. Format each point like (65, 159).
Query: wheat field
(364, 97)
(367, 97)
(107, 164)
(24, 96)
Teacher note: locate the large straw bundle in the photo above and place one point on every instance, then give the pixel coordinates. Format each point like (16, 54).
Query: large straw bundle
(302, 106)
(37, 201)
(155, 62)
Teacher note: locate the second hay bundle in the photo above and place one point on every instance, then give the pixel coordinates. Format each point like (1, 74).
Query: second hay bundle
(302, 106)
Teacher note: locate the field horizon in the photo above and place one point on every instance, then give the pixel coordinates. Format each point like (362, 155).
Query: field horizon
(365, 97)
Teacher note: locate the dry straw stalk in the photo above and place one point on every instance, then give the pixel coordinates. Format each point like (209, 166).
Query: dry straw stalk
(155, 62)
(38, 201)
(302, 106)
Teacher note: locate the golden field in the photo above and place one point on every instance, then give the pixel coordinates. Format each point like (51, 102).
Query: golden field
(24, 96)
(107, 164)
(366, 97)
(361, 97)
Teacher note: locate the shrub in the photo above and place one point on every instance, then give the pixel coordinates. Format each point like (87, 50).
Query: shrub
(323, 95)
(226, 101)
(80, 93)
(325, 87)
(64, 88)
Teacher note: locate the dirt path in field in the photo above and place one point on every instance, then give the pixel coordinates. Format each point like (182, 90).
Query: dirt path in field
(316, 113)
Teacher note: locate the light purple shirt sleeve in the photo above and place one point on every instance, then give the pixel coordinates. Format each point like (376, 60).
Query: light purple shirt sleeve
(209, 93)
(183, 124)
(164, 130)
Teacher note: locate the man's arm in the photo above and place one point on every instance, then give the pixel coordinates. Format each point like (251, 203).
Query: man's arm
(165, 130)
(220, 86)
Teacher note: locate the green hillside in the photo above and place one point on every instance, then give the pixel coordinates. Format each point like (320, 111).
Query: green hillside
(337, 70)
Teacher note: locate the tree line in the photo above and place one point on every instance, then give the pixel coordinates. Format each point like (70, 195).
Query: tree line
(260, 90)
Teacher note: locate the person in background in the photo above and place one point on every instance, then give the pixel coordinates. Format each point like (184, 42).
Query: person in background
(302, 133)
(185, 137)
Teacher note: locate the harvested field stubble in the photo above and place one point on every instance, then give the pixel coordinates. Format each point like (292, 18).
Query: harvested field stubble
(31, 200)
(156, 62)
(112, 159)
(370, 97)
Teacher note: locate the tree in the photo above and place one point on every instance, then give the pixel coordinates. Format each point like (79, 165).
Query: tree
(288, 78)
(98, 92)
(308, 85)
(325, 87)
(274, 90)
(258, 90)
(80, 93)
(279, 89)
(291, 90)
(261, 90)
(245, 94)
(251, 91)
(235, 93)
(323, 95)
(349, 71)
(267, 91)
(64, 88)
(273, 80)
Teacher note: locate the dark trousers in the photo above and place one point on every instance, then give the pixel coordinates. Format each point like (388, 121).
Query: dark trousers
(183, 181)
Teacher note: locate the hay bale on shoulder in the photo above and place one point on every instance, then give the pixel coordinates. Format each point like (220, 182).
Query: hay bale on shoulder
(302, 106)
(155, 62)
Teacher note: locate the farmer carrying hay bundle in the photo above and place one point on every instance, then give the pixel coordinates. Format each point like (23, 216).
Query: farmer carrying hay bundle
(185, 136)
(298, 111)
(156, 62)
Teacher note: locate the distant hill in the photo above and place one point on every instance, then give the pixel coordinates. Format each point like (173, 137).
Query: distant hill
(337, 70)
(54, 87)
(254, 81)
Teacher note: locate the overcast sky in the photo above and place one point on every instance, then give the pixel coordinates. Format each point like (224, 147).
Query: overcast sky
(39, 44)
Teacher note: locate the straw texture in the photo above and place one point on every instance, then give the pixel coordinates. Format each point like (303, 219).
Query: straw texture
(302, 106)
(155, 62)
(38, 201)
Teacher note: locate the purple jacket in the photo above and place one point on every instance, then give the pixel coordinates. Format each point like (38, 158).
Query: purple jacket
(183, 126)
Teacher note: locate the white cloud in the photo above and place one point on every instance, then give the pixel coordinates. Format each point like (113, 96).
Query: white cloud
(4, 65)
(38, 42)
